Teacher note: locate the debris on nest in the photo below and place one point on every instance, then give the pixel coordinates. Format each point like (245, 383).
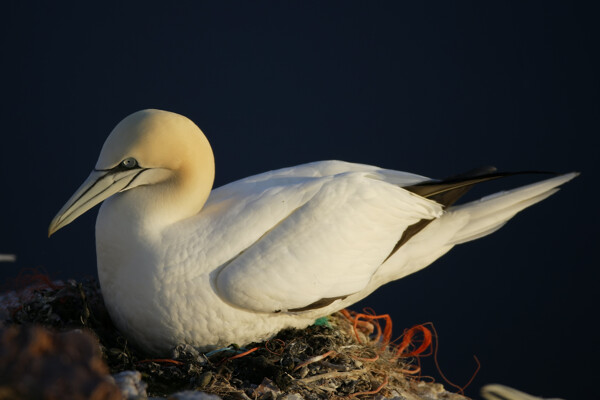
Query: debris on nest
(339, 357)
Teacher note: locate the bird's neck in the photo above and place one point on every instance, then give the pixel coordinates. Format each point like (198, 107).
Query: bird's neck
(130, 225)
(150, 209)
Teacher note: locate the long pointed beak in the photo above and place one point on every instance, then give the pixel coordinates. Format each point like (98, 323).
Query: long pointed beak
(97, 187)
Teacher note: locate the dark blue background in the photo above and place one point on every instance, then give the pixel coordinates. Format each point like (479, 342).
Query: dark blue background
(433, 88)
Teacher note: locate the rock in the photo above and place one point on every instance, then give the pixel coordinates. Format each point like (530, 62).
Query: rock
(36, 363)
(131, 385)
(193, 395)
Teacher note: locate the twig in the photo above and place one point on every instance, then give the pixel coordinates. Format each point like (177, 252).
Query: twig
(333, 375)
(385, 382)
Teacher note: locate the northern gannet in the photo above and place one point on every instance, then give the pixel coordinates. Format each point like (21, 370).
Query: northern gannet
(179, 263)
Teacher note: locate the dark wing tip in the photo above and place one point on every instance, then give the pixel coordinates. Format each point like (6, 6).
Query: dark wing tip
(473, 173)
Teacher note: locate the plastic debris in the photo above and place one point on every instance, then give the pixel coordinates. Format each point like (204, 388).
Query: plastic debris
(320, 362)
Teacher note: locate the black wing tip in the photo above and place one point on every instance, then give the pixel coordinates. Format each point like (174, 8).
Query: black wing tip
(492, 172)
(473, 173)
(448, 190)
(484, 173)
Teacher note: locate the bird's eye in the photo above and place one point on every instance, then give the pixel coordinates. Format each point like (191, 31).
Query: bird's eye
(129, 163)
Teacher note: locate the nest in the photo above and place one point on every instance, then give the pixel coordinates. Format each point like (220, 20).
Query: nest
(328, 360)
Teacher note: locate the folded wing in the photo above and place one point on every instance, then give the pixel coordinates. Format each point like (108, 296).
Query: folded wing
(327, 248)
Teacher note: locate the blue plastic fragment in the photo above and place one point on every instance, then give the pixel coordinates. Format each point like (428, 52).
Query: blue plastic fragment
(228, 348)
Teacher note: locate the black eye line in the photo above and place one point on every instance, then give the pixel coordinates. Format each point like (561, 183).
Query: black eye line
(120, 167)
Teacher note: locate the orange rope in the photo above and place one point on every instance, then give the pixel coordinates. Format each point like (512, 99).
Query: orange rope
(374, 319)
(315, 359)
(437, 365)
(280, 351)
(373, 359)
(414, 342)
(407, 341)
(33, 277)
(242, 354)
(474, 374)
(412, 371)
(385, 382)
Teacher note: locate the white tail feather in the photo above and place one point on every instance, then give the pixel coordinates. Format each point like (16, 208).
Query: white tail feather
(489, 213)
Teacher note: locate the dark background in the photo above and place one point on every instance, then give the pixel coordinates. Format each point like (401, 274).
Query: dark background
(434, 88)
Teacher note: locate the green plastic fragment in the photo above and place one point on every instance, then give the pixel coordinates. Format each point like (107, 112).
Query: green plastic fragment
(323, 321)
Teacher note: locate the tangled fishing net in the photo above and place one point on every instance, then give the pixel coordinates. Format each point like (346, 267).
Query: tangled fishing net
(347, 355)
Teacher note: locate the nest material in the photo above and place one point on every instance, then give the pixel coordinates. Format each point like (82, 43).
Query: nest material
(320, 362)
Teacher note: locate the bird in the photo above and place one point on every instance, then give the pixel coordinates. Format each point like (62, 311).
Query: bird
(496, 391)
(182, 263)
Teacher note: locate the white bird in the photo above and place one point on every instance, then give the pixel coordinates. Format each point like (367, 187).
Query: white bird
(8, 258)
(179, 263)
(501, 392)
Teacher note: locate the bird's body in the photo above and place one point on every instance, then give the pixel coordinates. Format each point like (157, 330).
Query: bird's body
(215, 286)
(179, 263)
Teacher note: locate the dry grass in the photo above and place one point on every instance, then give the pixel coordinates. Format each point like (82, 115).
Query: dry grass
(327, 361)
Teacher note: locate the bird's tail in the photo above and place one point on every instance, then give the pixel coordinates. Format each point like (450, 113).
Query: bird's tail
(489, 213)
(430, 239)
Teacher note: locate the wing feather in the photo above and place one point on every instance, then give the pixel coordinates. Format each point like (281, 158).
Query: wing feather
(328, 247)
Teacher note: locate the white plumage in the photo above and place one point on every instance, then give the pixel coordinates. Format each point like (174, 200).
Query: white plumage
(179, 263)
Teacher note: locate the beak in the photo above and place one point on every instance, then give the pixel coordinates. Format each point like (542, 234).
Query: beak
(100, 185)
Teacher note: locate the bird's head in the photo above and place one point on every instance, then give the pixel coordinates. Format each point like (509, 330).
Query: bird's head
(148, 147)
